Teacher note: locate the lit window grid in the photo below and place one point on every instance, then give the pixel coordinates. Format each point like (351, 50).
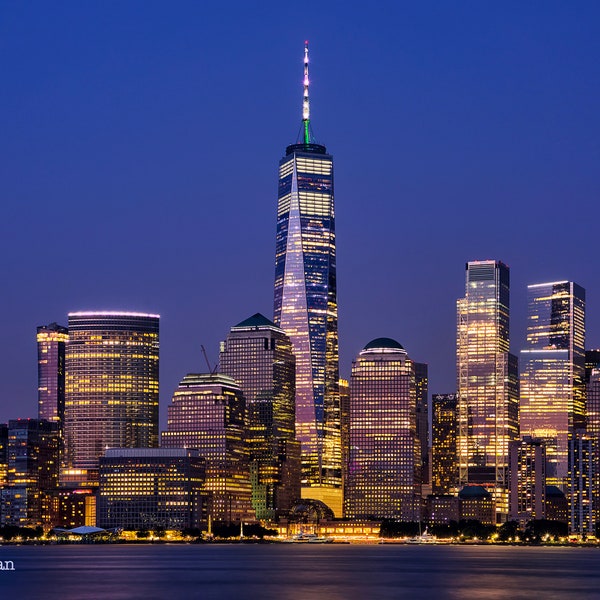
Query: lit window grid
(444, 463)
(487, 377)
(211, 419)
(306, 308)
(262, 362)
(384, 452)
(111, 386)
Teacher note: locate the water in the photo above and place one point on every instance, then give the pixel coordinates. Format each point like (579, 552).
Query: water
(294, 571)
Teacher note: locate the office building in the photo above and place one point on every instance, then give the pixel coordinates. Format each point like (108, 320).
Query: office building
(152, 488)
(384, 466)
(441, 509)
(553, 371)
(475, 503)
(33, 455)
(593, 424)
(305, 305)
(444, 456)
(582, 473)
(258, 355)
(3, 454)
(557, 505)
(592, 361)
(488, 398)
(111, 387)
(344, 387)
(208, 413)
(422, 395)
(51, 344)
(73, 507)
(527, 480)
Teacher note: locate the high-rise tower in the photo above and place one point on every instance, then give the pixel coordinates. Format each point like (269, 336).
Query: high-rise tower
(208, 413)
(259, 357)
(51, 342)
(553, 371)
(111, 385)
(306, 304)
(384, 466)
(488, 399)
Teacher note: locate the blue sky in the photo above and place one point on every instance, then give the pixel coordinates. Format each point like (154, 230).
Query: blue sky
(140, 143)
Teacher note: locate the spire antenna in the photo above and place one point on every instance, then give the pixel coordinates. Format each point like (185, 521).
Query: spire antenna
(305, 100)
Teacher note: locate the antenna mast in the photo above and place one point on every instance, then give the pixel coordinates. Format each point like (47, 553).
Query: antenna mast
(305, 100)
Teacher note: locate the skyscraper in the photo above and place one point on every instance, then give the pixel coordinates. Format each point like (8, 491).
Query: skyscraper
(208, 413)
(444, 458)
(582, 473)
(592, 424)
(553, 371)
(422, 392)
(384, 467)
(51, 344)
(258, 355)
(527, 479)
(305, 304)
(488, 399)
(111, 385)
(33, 454)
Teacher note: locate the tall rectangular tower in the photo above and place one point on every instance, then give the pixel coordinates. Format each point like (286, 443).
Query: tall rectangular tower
(444, 463)
(259, 357)
(422, 392)
(305, 304)
(553, 371)
(384, 468)
(208, 413)
(51, 343)
(488, 399)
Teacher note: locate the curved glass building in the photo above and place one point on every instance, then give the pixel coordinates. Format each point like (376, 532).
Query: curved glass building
(385, 455)
(111, 384)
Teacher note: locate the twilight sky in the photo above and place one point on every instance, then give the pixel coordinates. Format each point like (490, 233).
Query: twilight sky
(139, 144)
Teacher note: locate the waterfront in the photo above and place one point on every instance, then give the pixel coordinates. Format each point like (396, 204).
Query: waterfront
(290, 571)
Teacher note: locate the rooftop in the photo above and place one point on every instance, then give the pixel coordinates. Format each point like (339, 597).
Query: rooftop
(256, 320)
(383, 342)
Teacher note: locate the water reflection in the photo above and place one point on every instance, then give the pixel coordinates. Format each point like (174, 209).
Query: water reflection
(289, 572)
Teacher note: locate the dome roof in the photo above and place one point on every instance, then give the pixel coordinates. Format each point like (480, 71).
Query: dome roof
(383, 342)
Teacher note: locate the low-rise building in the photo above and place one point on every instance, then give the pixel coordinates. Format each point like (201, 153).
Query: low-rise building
(149, 488)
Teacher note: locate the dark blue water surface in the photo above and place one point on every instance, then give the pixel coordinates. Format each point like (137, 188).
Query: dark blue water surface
(290, 571)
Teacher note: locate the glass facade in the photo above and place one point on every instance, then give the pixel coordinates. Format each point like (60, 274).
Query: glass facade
(553, 371)
(527, 480)
(111, 385)
(147, 488)
(208, 413)
(51, 343)
(488, 398)
(344, 387)
(33, 463)
(444, 463)
(3, 454)
(384, 466)
(258, 355)
(306, 305)
(422, 391)
(582, 473)
(593, 423)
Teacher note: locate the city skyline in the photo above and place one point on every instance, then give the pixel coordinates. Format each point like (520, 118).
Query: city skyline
(60, 171)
